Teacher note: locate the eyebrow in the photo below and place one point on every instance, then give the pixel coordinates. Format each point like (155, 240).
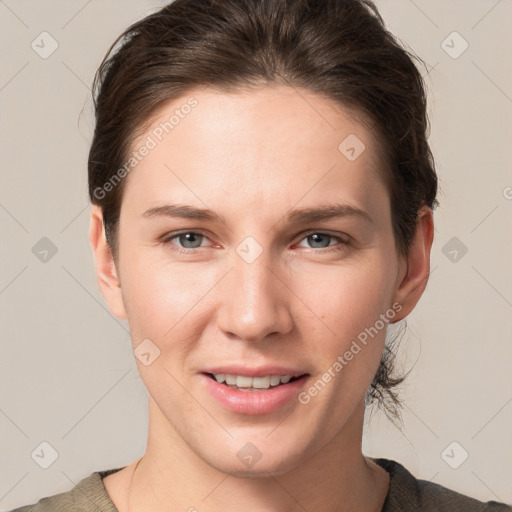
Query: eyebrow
(297, 216)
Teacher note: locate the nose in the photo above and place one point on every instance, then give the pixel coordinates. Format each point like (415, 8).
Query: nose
(255, 301)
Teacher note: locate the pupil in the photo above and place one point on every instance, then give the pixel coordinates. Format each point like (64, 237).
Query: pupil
(316, 236)
(185, 237)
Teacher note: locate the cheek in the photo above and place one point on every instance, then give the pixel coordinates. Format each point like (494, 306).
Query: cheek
(346, 304)
(347, 296)
(161, 298)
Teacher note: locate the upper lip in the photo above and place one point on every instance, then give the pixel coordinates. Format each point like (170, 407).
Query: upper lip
(260, 371)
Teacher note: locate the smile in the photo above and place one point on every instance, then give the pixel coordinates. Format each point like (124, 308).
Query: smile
(244, 383)
(254, 395)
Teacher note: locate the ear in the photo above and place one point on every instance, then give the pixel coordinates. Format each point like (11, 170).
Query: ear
(106, 272)
(415, 269)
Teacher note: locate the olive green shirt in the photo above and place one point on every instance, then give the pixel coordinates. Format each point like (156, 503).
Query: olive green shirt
(405, 494)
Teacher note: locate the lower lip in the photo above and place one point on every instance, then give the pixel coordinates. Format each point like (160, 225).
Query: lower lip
(254, 402)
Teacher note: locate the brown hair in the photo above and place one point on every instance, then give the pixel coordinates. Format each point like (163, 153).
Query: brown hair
(337, 48)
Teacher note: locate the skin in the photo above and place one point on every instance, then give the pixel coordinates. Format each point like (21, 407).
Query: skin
(252, 157)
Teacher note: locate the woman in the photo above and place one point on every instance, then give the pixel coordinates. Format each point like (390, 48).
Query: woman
(262, 193)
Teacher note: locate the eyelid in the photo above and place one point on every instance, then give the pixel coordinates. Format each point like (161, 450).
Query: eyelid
(340, 236)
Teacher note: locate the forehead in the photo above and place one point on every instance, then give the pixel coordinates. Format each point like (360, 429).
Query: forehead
(271, 144)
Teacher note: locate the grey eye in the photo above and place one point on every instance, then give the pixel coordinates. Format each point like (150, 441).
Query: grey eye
(194, 239)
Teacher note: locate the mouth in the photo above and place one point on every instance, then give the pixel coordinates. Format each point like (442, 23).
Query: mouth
(253, 384)
(254, 391)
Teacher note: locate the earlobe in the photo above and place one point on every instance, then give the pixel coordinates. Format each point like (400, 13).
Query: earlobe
(106, 271)
(417, 264)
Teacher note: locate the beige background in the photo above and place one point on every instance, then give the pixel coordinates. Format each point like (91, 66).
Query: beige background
(67, 373)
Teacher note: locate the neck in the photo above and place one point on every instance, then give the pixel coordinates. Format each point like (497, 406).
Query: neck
(337, 478)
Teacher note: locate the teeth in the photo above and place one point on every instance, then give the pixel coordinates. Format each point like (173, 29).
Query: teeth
(242, 381)
(258, 382)
(275, 380)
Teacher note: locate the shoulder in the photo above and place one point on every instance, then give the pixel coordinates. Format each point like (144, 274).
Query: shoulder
(89, 495)
(408, 493)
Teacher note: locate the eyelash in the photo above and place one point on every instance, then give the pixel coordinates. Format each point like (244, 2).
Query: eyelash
(171, 236)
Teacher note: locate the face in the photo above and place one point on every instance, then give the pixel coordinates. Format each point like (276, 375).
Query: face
(227, 266)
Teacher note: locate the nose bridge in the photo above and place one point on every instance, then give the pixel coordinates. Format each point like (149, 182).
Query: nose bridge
(255, 303)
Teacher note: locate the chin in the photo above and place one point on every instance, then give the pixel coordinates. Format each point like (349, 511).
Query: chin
(262, 466)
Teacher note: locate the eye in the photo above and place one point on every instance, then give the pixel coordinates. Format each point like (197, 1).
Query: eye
(321, 240)
(188, 240)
